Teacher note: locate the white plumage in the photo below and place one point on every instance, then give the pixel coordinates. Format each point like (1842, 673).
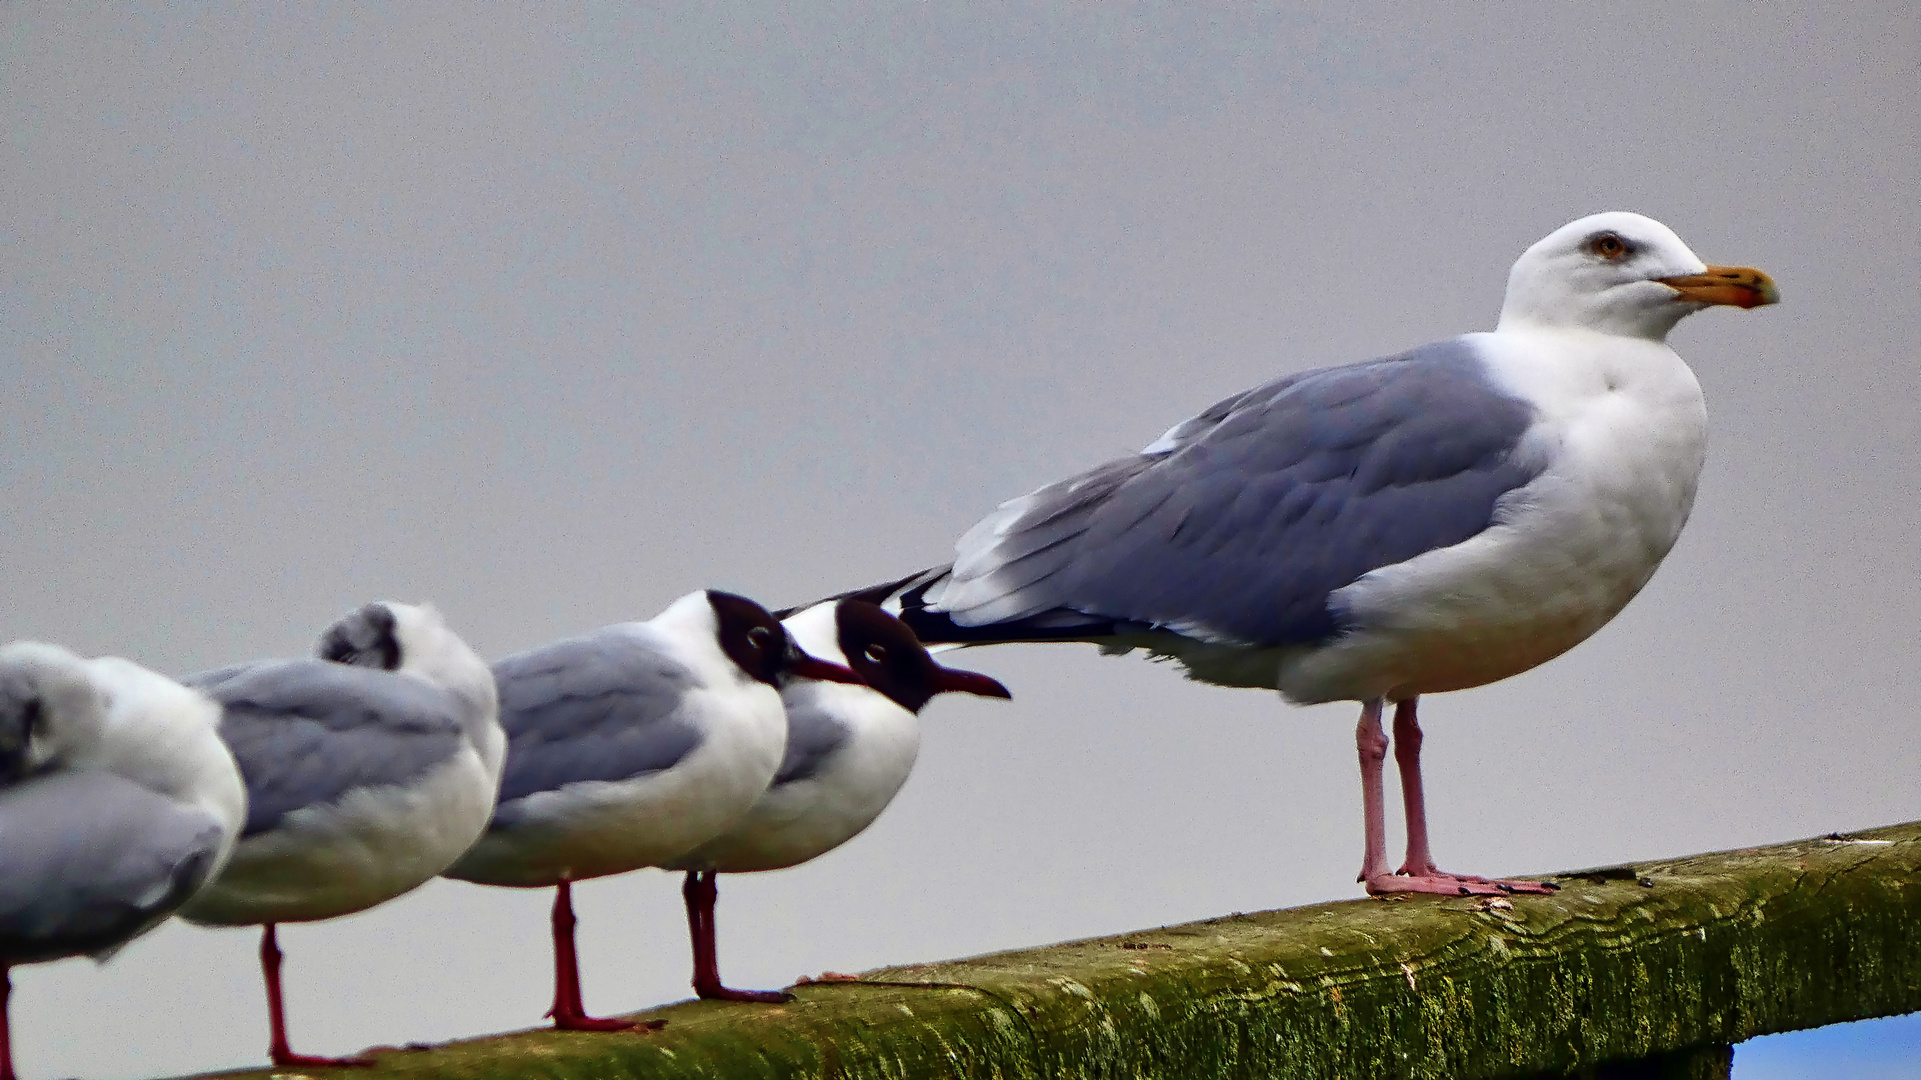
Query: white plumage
(370, 770)
(849, 749)
(1427, 522)
(117, 801)
(629, 746)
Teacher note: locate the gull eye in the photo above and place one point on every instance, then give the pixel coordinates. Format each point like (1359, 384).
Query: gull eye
(1608, 246)
(760, 637)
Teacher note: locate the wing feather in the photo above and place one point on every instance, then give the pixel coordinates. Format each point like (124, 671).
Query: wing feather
(93, 860)
(603, 706)
(1237, 525)
(307, 732)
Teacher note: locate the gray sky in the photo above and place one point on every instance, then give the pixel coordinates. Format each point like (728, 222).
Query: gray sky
(550, 318)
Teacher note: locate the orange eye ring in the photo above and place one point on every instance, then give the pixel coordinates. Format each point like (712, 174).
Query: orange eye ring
(1608, 246)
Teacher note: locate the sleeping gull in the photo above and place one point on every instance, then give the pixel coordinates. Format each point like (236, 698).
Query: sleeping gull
(117, 801)
(1426, 522)
(627, 747)
(849, 750)
(368, 771)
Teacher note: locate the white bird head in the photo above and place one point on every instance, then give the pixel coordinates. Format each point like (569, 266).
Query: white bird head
(1623, 274)
(59, 711)
(412, 639)
(48, 708)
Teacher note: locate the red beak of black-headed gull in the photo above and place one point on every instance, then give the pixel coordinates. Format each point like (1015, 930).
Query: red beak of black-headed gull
(1426, 522)
(628, 747)
(117, 801)
(849, 750)
(369, 770)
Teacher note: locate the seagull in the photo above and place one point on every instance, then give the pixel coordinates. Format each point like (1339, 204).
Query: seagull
(117, 801)
(628, 747)
(369, 771)
(1426, 522)
(849, 750)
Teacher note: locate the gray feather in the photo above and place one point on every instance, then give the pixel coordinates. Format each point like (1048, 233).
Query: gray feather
(813, 738)
(604, 706)
(92, 859)
(308, 732)
(1244, 520)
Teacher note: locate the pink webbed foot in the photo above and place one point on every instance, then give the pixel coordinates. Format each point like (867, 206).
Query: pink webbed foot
(1441, 883)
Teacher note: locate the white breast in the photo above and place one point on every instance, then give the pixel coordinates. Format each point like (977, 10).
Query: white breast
(1623, 427)
(595, 828)
(373, 844)
(803, 819)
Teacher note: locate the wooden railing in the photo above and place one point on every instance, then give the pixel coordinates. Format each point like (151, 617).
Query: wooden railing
(1649, 970)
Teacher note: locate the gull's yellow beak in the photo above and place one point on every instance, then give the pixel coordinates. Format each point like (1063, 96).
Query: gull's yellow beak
(1740, 286)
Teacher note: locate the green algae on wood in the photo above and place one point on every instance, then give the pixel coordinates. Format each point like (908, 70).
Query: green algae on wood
(1649, 970)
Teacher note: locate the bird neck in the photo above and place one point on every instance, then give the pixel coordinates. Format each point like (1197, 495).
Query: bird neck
(1626, 312)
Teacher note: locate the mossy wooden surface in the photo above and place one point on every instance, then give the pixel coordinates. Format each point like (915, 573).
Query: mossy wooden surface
(1670, 960)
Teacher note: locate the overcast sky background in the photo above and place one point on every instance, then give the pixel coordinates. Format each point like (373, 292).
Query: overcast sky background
(552, 317)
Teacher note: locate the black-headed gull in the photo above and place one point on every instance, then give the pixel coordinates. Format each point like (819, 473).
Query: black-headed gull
(629, 746)
(117, 801)
(369, 771)
(849, 750)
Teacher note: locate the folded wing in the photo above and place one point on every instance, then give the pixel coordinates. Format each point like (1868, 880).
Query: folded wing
(1236, 526)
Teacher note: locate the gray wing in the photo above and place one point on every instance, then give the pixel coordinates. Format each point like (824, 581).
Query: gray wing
(1237, 525)
(813, 737)
(91, 860)
(306, 732)
(605, 706)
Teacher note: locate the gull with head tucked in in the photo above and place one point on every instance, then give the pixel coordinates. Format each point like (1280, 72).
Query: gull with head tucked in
(629, 746)
(369, 771)
(117, 801)
(1431, 521)
(849, 750)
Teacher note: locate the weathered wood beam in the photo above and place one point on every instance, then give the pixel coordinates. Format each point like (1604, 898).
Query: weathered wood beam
(1650, 970)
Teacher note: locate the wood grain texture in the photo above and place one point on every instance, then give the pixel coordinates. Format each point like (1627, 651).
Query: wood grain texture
(1649, 970)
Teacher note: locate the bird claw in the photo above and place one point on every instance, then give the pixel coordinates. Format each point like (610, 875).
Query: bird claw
(1437, 883)
(1470, 885)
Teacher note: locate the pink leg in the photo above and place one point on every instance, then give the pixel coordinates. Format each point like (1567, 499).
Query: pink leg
(701, 892)
(1371, 742)
(568, 1013)
(1418, 873)
(1407, 759)
(277, 1049)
